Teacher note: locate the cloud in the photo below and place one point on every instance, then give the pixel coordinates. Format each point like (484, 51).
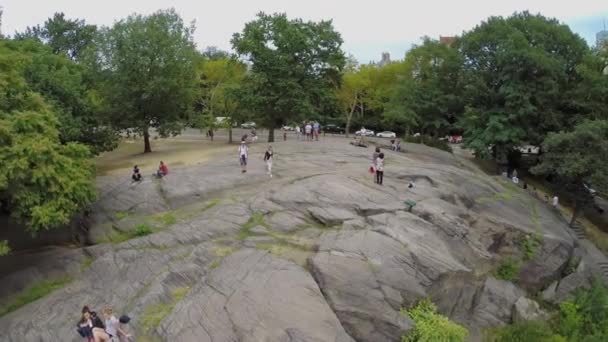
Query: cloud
(368, 27)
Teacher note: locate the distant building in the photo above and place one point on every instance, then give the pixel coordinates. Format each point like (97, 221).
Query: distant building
(447, 40)
(386, 59)
(601, 39)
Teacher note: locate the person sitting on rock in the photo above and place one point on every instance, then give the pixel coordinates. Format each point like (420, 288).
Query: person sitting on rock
(136, 176)
(99, 329)
(85, 325)
(113, 325)
(163, 170)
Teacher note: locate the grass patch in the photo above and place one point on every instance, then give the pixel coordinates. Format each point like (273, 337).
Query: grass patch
(142, 229)
(222, 251)
(508, 269)
(215, 263)
(212, 203)
(530, 244)
(121, 215)
(86, 263)
(257, 219)
(499, 196)
(33, 293)
(167, 218)
(154, 314)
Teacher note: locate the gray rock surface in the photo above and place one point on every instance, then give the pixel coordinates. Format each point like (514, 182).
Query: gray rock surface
(254, 296)
(526, 309)
(367, 259)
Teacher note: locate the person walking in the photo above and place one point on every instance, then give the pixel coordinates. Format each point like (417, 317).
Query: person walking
(243, 154)
(308, 130)
(297, 132)
(373, 168)
(316, 128)
(268, 157)
(380, 168)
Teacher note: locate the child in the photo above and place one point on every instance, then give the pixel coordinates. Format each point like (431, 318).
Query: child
(380, 168)
(268, 159)
(123, 329)
(163, 170)
(243, 153)
(373, 168)
(113, 325)
(136, 177)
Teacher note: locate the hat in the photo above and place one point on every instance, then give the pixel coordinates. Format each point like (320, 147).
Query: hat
(124, 319)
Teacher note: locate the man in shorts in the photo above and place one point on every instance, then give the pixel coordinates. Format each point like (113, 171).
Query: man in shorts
(316, 128)
(308, 130)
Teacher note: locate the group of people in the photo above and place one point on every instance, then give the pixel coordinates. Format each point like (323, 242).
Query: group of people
(161, 172)
(396, 145)
(93, 328)
(243, 152)
(309, 131)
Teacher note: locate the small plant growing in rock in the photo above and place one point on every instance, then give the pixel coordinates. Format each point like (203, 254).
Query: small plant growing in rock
(508, 269)
(530, 244)
(142, 229)
(431, 326)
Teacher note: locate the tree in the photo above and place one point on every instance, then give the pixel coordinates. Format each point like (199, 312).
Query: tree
(516, 73)
(214, 53)
(149, 68)
(428, 95)
(350, 94)
(43, 182)
(70, 37)
(293, 62)
(218, 79)
(577, 159)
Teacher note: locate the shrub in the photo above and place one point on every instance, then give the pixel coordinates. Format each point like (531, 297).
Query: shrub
(4, 248)
(530, 245)
(508, 269)
(431, 326)
(33, 293)
(536, 331)
(142, 229)
(429, 141)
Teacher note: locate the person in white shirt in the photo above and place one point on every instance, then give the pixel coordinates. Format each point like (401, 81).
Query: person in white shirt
(268, 157)
(555, 201)
(380, 168)
(243, 154)
(308, 130)
(112, 325)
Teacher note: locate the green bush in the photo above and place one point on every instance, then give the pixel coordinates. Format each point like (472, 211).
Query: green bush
(429, 141)
(431, 326)
(142, 229)
(536, 331)
(530, 245)
(508, 269)
(4, 248)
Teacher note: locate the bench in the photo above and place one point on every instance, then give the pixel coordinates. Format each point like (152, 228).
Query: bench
(410, 204)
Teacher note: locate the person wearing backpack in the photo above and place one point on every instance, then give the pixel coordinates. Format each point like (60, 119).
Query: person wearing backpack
(268, 157)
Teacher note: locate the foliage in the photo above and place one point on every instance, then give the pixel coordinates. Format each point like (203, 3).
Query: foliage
(530, 244)
(431, 326)
(577, 158)
(583, 318)
(45, 183)
(4, 248)
(33, 293)
(86, 263)
(516, 71)
(64, 36)
(142, 229)
(295, 64)
(154, 314)
(508, 269)
(537, 331)
(148, 65)
(429, 141)
(429, 91)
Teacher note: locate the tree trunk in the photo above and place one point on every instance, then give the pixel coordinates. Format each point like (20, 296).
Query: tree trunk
(347, 128)
(230, 134)
(147, 147)
(271, 135)
(575, 212)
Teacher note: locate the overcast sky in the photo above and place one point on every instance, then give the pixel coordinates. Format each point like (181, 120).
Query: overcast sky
(367, 27)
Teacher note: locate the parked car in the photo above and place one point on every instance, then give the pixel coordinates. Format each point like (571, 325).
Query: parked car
(368, 133)
(248, 125)
(334, 129)
(386, 134)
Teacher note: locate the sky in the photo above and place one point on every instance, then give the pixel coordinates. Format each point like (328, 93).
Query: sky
(367, 27)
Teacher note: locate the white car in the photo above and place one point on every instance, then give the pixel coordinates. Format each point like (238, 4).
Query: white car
(386, 134)
(368, 133)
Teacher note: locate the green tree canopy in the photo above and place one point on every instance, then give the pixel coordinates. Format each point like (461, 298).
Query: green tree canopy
(148, 65)
(70, 37)
(43, 181)
(293, 64)
(578, 158)
(517, 71)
